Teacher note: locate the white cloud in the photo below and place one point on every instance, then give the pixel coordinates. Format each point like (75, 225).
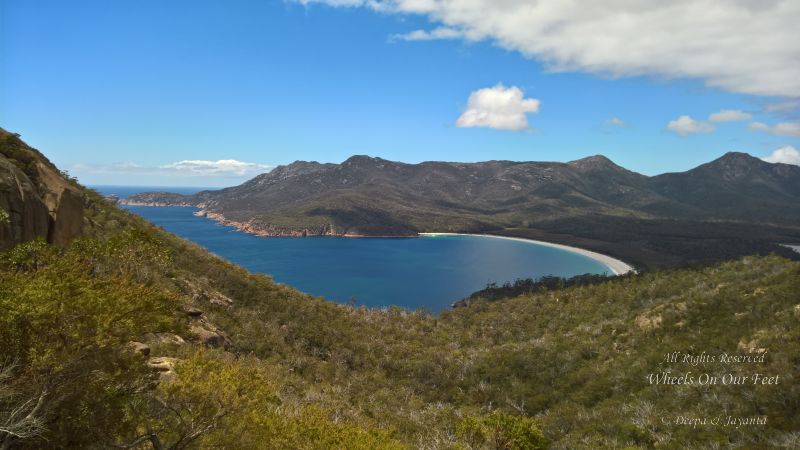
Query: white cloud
(780, 129)
(498, 107)
(739, 46)
(223, 167)
(729, 115)
(685, 125)
(425, 35)
(615, 122)
(786, 155)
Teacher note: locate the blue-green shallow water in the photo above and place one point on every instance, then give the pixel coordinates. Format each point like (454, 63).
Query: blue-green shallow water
(427, 272)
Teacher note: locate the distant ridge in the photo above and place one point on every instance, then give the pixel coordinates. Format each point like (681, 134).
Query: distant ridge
(590, 201)
(737, 185)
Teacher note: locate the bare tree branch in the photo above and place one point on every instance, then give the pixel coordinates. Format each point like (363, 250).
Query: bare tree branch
(149, 436)
(23, 418)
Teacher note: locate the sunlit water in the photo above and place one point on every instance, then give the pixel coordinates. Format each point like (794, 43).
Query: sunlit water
(426, 272)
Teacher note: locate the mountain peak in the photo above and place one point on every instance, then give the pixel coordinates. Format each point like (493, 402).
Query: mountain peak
(361, 159)
(740, 157)
(291, 170)
(365, 162)
(735, 166)
(593, 162)
(735, 163)
(302, 165)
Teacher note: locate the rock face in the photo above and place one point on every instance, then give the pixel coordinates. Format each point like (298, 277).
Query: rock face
(28, 217)
(67, 219)
(36, 198)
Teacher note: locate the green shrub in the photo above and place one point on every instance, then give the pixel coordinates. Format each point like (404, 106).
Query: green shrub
(501, 431)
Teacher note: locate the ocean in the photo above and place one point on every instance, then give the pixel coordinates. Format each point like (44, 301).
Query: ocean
(428, 273)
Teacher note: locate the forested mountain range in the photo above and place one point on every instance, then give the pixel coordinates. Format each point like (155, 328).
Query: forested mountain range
(735, 205)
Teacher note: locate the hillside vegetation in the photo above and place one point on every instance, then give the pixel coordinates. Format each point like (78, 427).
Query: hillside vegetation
(130, 337)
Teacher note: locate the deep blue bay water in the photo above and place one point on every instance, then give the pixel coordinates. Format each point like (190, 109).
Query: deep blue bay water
(426, 272)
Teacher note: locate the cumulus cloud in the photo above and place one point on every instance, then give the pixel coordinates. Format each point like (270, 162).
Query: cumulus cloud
(615, 122)
(498, 107)
(786, 155)
(729, 115)
(685, 125)
(780, 129)
(738, 46)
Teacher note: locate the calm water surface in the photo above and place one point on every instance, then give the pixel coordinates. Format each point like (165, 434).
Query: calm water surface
(427, 272)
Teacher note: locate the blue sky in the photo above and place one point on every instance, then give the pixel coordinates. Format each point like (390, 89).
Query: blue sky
(209, 93)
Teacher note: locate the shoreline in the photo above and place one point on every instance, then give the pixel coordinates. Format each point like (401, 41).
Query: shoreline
(616, 266)
(795, 247)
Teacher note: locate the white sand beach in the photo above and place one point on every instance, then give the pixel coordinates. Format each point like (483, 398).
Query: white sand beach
(614, 265)
(793, 247)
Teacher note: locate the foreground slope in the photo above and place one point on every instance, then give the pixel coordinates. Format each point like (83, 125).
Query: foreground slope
(734, 206)
(246, 363)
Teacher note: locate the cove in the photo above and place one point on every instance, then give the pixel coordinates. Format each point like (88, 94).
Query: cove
(429, 272)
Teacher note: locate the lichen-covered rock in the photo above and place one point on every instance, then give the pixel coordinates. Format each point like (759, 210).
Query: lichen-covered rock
(165, 366)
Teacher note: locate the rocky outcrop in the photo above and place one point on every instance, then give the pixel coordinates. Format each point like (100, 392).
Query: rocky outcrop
(191, 311)
(139, 348)
(203, 293)
(36, 198)
(67, 218)
(161, 339)
(28, 216)
(205, 333)
(165, 366)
